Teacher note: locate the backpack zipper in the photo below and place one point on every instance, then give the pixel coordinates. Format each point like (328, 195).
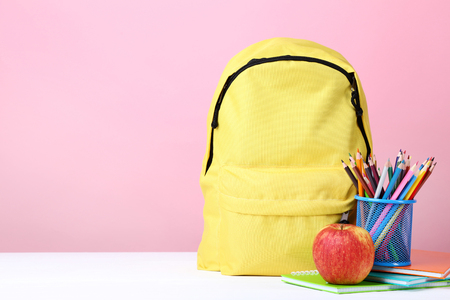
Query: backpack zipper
(254, 62)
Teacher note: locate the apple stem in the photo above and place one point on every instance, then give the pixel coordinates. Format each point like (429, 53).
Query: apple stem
(342, 226)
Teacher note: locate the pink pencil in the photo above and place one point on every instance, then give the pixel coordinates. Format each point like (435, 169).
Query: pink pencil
(391, 232)
(404, 182)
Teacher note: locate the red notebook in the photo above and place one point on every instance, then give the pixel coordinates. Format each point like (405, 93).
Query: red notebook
(423, 263)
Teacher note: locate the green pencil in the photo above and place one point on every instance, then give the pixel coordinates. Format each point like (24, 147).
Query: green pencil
(390, 173)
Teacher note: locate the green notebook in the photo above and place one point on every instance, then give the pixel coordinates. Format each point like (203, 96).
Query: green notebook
(317, 282)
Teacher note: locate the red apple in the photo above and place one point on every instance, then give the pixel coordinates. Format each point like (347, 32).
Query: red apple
(343, 253)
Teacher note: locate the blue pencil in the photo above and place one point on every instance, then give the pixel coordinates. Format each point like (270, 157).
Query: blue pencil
(383, 224)
(408, 186)
(391, 185)
(374, 206)
(423, 164)
(386, 209)
(396, 160)
(392, 211)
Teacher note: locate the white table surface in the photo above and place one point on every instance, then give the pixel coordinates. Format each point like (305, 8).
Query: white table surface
(151, 275)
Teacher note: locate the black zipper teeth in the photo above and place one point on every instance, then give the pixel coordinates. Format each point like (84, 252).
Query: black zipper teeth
(254, 62)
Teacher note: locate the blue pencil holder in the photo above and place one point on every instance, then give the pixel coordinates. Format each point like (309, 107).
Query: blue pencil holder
(389, 223)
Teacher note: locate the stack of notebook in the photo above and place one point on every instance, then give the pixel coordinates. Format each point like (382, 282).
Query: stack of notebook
(428, 269)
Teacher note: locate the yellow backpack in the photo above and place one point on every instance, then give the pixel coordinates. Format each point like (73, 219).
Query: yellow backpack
(284, 114)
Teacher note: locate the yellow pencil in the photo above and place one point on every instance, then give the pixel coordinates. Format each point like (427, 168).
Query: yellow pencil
(418, 180)
(425, 177)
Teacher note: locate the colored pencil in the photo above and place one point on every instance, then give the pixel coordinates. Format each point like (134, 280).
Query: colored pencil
(381, 181)
(391, 226)
(408, 186)
(377, 230)
(399, 181)
(363, 213)
(386, 195)
(369, 176)
(376, 175)
(418, 180)
(373, 168)
(388, 226)
(382, 217)
(396, 160)
(407, 164)
(390, 171)
(364, 186)
(402, 174)
(351, 159)
(368, 183)
(404, 181)
(350, 174)
(427, 175)
(391, 213)
(377, 195)
(359, 166)
(393, 180)
(423, 164)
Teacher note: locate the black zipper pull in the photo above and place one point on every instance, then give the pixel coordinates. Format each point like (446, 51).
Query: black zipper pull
(359, 112)
(344, 218)
(355, 97)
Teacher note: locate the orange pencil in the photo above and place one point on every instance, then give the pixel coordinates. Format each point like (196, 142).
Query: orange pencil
(360, 169)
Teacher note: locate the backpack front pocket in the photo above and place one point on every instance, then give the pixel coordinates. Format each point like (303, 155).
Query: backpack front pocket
(269, 216)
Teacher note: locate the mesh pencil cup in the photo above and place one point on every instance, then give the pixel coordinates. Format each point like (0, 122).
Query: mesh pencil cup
(389, 223)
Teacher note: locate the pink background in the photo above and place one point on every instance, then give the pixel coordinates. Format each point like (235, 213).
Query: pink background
(104, 103)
